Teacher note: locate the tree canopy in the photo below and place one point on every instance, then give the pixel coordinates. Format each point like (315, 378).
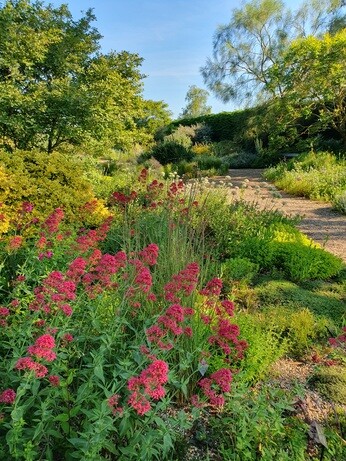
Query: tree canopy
(196, 102)
(251, 43)
(57, 87)
(312, 77)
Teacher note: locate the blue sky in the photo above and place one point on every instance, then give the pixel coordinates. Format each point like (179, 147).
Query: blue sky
(173, 36)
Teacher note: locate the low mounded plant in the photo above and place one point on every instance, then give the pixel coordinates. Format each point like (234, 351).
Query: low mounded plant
(330, 381)
(317, 175)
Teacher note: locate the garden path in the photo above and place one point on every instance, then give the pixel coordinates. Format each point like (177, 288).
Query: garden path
(319, 221)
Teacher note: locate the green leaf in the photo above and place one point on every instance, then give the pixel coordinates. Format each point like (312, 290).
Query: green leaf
(98, 372)
(62, 417)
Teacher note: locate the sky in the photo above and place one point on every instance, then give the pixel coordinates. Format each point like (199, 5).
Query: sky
(174, 37)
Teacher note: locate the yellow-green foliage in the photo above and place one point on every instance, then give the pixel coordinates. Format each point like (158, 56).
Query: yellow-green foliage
(202, 149)
(5, 211)
(319, 176)
(48, 181)
(288, 234)
(266, 346)
(300, 327)
(331, 382)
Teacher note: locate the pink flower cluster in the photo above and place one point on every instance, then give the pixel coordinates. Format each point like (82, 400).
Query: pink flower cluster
(182, 283)
(213, 288)
(91, 238)
(51, 224)
(143, 175)
(175, 188)
(122, 199)
(170, 323)
(15, 242)
(8, 396)
(225, 334)
(43, 348)
(113, 404)
(141, 277)
(27, 207)
(54, 380)
(4, 313)
(149, 254)
(55, 293)
(96, 272)
(218, 383)
(149, 384)
(27, 363)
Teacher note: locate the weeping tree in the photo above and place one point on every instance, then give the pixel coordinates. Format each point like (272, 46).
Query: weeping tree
(256, 36)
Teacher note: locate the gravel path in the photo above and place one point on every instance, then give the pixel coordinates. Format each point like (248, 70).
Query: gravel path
(319, 221)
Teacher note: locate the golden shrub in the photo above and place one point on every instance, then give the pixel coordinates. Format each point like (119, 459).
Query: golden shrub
(47, 181)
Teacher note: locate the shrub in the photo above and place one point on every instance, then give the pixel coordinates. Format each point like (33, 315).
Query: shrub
(202, 149)
(48, 181)
(224, 125)
(322, 300)
(266, 345)
(319, 175)
(301, 262)
(207, 162)
(239, 269)
(339, 202)
(203, 133)
(170, 152)
(299, 326)
(179, 138)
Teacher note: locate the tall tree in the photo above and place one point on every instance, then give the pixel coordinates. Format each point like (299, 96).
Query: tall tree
(196, 99)
(246, 48)
(312, 77)
(56, 86)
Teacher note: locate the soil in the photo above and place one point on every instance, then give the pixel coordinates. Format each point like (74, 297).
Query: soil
(318, 220)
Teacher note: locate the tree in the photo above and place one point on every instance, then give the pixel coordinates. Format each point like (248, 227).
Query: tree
(250, 44)
(312, 77)
(55, 85)
(156, 116)
(196, 99)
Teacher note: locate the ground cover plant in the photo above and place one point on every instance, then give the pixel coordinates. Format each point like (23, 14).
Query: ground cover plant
(142, 337)
(316, 175)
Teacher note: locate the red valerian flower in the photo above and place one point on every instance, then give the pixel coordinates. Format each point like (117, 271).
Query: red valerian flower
(213, 287)
(149, 254)
(4, 312)
(15, 242)
(43, 348)
(27, 207)
(113, 404)
(54, 380)
(8, 396)
(143, 175)
(148, 384)
(51, 224)
(182, 283)
(26, 363)
(217, 384)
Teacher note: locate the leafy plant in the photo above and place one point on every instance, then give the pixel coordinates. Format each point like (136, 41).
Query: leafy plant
(331, 382)
(170, 152)
(256, 424)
